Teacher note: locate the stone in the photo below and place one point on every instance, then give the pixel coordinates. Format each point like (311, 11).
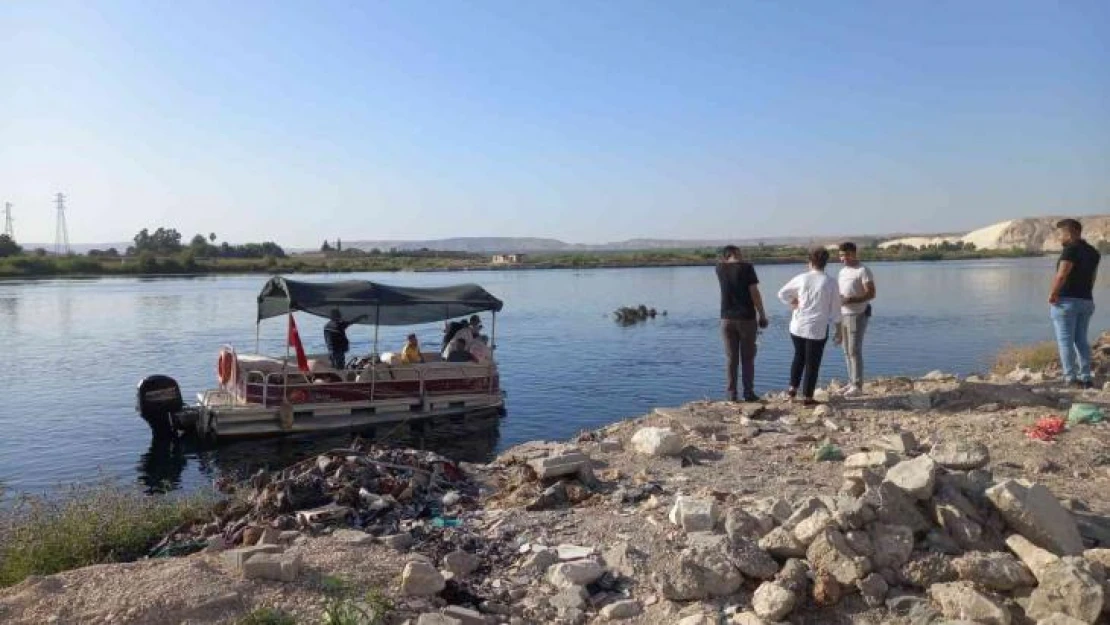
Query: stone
(794, 576)
(899, 442)
(893, 545)
(777, 508)
(830, 552)
(805, 509)
(822, 412)
(419, 579)
(450, 499)
(860, 542)
(324, 514)
(904, 605)
(625, 560)
(694, 515)
(920, 401)
(464, 616)
(1036, 514)
(868, 459)
(577, 573)
(772, 602)
(741, 525)
(1060, 619)
(993, 571)
(808, 529)
(273, 566)
(652, 441)
(915, 477)
(752, 561)
(540, 561)
(1068, 586)
(697, 619)
(894, 507)
(927, 569)
(826, 590)
(747, 618)
(960, 600)
(960, 455)
(435, 618)
(696, 574)
(782, 544)
(873, 589)
(558, 465)
(620, 610)
(574, 552)
(960, 519)
(570, 598)
(270, 536)
(235, 558)
(461, 563)
(610, 445)
(397, 542)
(352, 537)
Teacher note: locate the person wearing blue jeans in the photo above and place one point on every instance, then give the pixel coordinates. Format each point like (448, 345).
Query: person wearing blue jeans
(1072, 302)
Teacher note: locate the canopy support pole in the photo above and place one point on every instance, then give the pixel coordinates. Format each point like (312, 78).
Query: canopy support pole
(285, 363)
(492, 350)
(377, 316)
(257, 326)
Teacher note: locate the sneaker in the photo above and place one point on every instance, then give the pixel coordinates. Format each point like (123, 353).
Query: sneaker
(852, 391)
(1087, 384)
(751, 397)
(809, 402)
(1075, 384)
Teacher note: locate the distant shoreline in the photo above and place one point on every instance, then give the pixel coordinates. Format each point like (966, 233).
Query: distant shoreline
(25, 267)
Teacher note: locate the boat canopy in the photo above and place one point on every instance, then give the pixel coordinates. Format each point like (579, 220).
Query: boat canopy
(372, 303)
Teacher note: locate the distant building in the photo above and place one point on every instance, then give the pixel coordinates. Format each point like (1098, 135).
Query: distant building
(508, 259)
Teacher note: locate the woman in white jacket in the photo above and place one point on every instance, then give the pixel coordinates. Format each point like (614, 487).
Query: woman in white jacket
(815, 298)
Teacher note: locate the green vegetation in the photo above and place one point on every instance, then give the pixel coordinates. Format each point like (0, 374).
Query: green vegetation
(161, 252)
(88, 525)
(342, 608)
(1038, 356)
(267, 616)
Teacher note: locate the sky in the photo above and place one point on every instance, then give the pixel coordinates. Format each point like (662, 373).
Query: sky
(584, 121)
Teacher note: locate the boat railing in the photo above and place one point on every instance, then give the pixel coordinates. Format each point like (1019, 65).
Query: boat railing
(283, 384)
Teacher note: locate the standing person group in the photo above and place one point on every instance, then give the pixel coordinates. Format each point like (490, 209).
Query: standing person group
(818, 302)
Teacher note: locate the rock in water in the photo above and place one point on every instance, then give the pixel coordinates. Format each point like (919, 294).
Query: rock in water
(1032, 510)
(654, 441)
(960, 455)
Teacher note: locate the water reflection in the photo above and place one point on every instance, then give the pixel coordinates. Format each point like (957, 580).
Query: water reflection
(473, 438)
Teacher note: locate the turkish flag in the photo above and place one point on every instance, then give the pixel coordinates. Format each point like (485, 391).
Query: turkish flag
(295, 340)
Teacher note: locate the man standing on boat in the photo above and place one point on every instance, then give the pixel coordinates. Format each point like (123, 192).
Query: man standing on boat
(335, 336)
(857, 289)
(1072, 302)
(742, 315)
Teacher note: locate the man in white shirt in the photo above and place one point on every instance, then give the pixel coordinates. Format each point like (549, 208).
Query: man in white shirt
(816, 303)
(857, 289)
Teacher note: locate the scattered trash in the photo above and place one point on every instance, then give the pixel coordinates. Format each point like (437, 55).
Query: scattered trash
(446, 522)
(1085, 413)
(1046, 429)
(828, 453)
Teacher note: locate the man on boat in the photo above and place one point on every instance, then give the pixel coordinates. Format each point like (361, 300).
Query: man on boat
(1072, 302)
(458, 352)
(335, 336)
(742, 315)
(857, 289)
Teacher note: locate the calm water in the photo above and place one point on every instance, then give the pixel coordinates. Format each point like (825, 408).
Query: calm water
(76, 348)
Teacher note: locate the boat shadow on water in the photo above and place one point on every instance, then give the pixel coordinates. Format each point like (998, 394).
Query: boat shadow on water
(469, 438)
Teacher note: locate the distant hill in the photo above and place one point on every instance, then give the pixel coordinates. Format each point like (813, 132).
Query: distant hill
(1037, 234)
(499, 245)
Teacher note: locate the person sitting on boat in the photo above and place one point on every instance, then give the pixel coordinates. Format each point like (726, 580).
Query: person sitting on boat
(335, 336)
(458, 352)
(479, 348)
(466, 333)
(410, 353)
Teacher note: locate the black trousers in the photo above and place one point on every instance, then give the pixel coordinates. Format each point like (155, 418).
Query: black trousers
(739, 336)
(807, 359)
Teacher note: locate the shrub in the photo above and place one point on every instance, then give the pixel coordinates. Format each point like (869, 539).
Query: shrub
(267, 616)
(1037, 357)
(87, 525)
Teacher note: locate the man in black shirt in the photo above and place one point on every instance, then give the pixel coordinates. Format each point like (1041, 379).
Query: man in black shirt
(335, 336)
(741, 316)
(1072, 302)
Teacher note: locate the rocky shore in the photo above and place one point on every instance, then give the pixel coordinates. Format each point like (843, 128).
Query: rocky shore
(925, 501)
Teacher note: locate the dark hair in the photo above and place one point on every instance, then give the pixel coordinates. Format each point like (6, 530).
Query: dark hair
(411, 336)
(819, 257)
(1070, 224)
(730, 250)
(460, 342)
(847, 246)
(475, 319)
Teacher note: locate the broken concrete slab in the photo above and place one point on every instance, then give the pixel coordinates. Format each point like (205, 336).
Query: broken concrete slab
(1034, 512)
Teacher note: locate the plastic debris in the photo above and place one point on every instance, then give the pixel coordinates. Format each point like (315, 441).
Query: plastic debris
(1046, 429)
(1085, 413)
(827, 453)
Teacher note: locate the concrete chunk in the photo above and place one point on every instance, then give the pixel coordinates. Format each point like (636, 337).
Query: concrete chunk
(916, 477)
(1036, 514)
(654, 441)
(567, 463)
(272, 566)
(234, 558)
(694, 515)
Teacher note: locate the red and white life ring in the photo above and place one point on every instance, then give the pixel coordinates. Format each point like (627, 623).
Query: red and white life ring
(227, 365)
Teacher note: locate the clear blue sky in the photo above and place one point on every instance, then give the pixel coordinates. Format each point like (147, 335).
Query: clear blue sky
(586, 121)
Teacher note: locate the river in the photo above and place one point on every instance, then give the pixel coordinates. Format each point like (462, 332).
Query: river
(76, 348)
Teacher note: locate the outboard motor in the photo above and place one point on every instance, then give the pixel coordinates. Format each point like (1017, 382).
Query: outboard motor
(160, 404)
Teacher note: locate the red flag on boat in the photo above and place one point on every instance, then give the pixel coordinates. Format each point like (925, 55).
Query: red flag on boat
(295, 340)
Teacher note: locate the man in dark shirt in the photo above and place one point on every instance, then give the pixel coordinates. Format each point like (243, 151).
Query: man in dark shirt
(335, 336)
(1072, 302)
(741, 316)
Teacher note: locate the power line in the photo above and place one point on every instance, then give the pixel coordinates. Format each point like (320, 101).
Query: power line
(9, 229)
(61, 234)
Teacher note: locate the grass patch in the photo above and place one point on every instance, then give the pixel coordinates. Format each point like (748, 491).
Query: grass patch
(84, 525)
(267, 616)
(1038, 356)
(343, 607)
